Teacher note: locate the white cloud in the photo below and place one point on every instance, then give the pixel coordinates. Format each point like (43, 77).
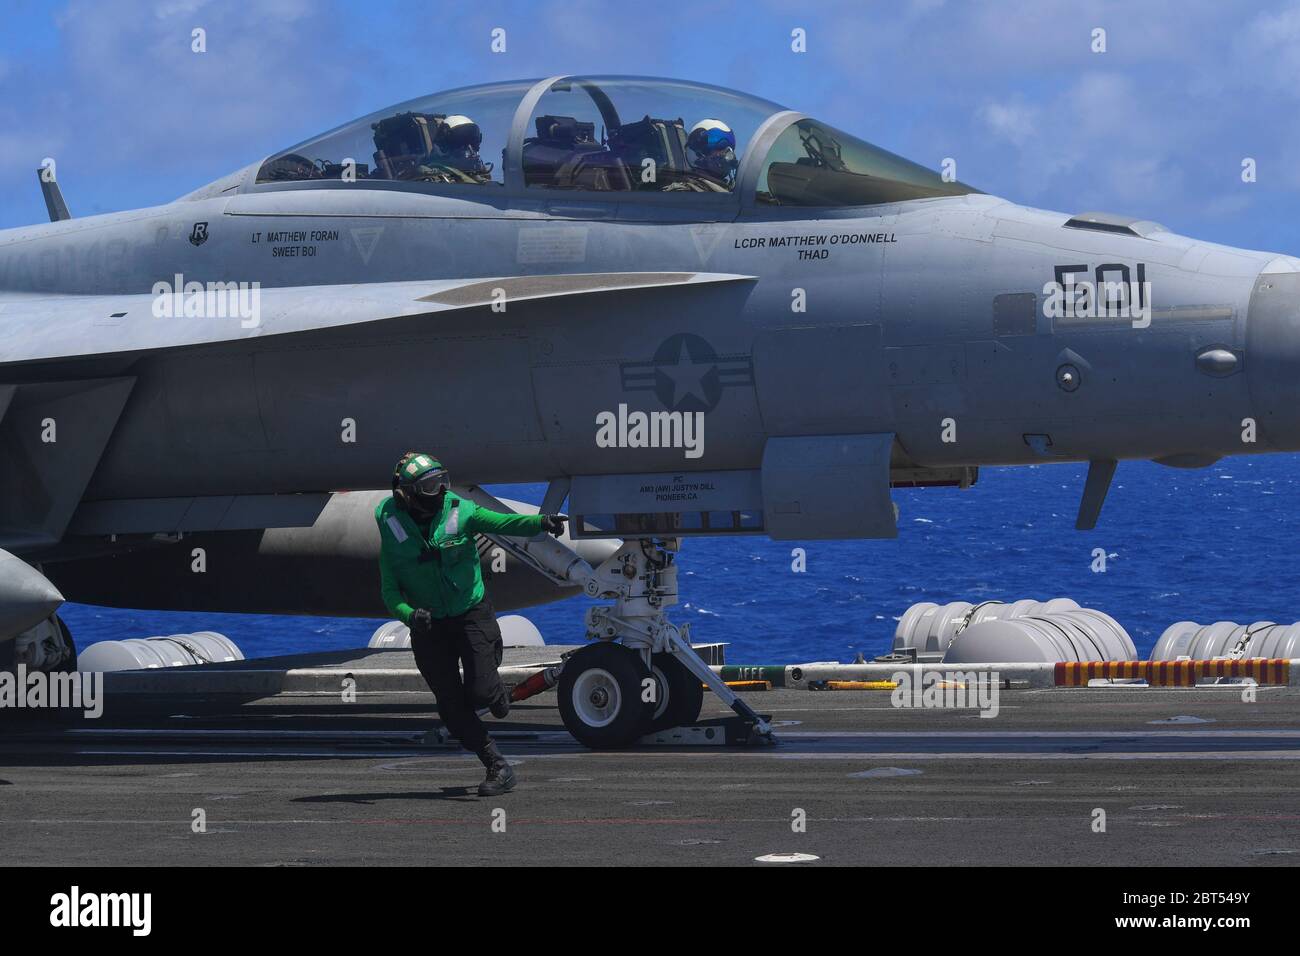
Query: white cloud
(1012, 121)
(1269, 44)
(143, 72)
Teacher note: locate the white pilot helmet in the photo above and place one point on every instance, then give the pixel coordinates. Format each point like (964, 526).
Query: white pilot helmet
(710, 135)
(458, 132)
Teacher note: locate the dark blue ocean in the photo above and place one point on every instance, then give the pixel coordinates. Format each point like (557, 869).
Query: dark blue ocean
(1207, 545)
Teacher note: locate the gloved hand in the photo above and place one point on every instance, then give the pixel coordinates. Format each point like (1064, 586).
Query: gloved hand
(554, 524)
(421, 621)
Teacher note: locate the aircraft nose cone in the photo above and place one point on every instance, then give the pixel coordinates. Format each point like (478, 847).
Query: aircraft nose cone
(26, 596)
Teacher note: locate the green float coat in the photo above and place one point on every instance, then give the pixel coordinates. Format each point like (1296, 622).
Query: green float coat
(452, 583)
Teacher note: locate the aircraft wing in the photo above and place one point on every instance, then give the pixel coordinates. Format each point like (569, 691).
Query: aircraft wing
(46, 340)
(40, 328)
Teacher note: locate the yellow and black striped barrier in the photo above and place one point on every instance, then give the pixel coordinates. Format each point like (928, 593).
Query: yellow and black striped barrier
(1173, 673)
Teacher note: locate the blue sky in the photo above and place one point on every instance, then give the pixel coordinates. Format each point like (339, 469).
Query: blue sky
(1157, 126)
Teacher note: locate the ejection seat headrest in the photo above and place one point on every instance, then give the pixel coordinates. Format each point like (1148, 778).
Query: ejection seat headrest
(563, 129)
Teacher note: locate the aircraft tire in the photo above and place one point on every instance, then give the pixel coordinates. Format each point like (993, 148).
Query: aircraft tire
(601, 691)
(681, 694)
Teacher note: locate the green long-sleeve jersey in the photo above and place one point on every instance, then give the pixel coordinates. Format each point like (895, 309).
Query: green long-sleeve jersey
(439, 570)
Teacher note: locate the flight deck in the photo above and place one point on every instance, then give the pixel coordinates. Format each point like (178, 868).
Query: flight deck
(1187, 776)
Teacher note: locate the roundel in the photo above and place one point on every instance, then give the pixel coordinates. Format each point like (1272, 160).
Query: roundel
(686, 374)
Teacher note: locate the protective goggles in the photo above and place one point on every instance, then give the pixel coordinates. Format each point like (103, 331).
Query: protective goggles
(431, 483)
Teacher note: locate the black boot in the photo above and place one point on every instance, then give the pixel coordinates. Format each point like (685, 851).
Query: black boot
(501, 707)
(500, 775)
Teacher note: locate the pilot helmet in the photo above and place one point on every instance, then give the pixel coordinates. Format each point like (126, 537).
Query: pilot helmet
(458, 133)
(714, 146)
(456, 144)
(419, 481)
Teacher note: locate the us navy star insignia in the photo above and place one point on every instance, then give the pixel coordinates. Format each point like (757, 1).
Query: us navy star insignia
(687, 374)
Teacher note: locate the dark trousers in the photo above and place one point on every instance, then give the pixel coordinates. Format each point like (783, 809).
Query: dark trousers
(473, 641)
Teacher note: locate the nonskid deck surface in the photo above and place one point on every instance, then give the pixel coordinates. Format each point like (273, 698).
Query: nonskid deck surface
(1184, 776)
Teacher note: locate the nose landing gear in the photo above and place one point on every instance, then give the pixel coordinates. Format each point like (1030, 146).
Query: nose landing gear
(643, 675)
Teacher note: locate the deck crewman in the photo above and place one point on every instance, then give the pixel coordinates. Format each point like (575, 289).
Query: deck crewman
(429, 567)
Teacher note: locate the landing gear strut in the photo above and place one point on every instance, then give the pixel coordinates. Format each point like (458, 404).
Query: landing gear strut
(642, 675)
(642, 655)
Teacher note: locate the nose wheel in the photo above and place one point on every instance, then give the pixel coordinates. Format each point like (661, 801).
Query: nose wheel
(607, 696)
(680, 694)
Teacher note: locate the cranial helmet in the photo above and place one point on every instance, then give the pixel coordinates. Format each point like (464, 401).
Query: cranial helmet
(418, 481)
(459, 132)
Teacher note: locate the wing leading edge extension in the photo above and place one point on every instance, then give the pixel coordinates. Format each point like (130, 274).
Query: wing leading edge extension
(36, 328)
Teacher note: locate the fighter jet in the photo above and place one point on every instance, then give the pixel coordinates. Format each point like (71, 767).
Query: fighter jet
(689, 310)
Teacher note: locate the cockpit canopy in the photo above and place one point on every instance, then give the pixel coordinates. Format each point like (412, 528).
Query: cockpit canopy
(410, 142)
(623, 134)
(812, 164)
(609, 135)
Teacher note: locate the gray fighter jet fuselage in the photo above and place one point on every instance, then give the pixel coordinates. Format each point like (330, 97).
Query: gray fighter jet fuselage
(780, 345)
